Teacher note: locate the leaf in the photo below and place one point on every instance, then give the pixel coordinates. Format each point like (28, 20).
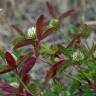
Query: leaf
(87, 92)
(72, 88)
(17, 39)
(48, 32)
(9, 78)
(18, 52)
(51, 9)
(18, 30)
(26, 80)
(52, 72)
(7, 88)
(86, 30)
(2, 54)
(39, 25)
(57, 87)
(73, 40)
(10, 60)
(28, 94)
(6, 71)
(65, 14)
(27, 66)
(3, 67)
(24, 43)
(33, 88)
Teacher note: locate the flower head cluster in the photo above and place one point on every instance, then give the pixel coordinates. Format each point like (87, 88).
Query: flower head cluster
(78, 56)
(31, 32)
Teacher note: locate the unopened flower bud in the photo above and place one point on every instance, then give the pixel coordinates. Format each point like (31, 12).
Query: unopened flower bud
(53, 22)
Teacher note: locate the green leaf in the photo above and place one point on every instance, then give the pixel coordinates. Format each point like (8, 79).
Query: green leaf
(57, 87)
(87, 92)
(72, 29)
(86, 30)
(91, 65)
(71, 89)
(65, 65)
(68, 52)
(2, 54)
(33, 88)
(17, 39)
(18, 52)
(2, 67)
(8, 77)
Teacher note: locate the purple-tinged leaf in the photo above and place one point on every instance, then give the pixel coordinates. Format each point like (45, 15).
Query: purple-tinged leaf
(52, 72)
(51, 9)
(10, 60)
(65, 14)
(8, 88)
(28, 94)
(24, 43)
(68, 13)
(48, 32)
(39, 25)
(28, 65)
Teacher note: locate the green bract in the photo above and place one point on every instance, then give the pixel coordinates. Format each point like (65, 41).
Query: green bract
(78, 56)
(53, 22)
(31, 33)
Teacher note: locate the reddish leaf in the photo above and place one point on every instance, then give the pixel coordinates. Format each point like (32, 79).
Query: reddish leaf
(24, 43)
(48, 32)
(39, 25)
(8, 88)
(18, 30)
(52, 72)
(65, 14)
(51, 9)
(68, 13)
(10, 60)
(28, 94)
(27, 66)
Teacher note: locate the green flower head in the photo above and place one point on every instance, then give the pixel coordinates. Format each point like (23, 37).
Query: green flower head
(78, 56)
(31, 33)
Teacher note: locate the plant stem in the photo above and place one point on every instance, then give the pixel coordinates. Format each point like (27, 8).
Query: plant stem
(17, 76)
